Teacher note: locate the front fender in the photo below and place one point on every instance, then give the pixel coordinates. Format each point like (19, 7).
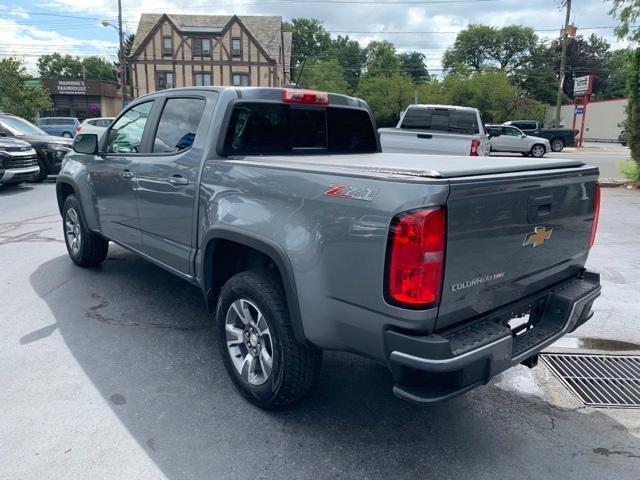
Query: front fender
(74, 173)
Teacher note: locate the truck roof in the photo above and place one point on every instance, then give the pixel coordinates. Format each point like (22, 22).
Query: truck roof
(260, 93)
(449, 107)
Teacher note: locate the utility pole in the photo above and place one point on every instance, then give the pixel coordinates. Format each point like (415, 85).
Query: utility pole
(123, 59)
(563, 61)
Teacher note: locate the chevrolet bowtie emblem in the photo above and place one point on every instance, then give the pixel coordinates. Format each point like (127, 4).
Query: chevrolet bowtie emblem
(537, 237)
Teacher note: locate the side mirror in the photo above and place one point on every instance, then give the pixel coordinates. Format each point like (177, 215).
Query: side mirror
(522, 135)
(86, 143)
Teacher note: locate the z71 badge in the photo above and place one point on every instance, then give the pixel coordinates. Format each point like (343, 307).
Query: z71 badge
(354, 193)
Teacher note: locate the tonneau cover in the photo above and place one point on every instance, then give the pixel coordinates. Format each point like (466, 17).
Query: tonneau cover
(417, 165)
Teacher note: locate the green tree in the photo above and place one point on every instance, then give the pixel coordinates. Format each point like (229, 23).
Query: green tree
(538, 78)
(326, 76)
(387, 95)
(413, 65)
(472, 47)
(58, 66)
(492, 92)
(19, 94)
(351, 57)
(628, 12)
(585, 56)
(382, 59)
(616, 71)
(310, 41)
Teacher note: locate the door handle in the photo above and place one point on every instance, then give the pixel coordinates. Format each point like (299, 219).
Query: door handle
(178, 180)
(126, 174)
(425, 136)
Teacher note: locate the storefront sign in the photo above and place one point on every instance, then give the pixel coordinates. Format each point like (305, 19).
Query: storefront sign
(63, 86)
(583, 85)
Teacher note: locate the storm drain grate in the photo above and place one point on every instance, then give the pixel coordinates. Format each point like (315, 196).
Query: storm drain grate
(599, 380)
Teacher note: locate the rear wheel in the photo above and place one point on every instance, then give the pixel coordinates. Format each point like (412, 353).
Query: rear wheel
(86, 248)
(267, 364)
(538, 150)
(67, 135)
(557, 144)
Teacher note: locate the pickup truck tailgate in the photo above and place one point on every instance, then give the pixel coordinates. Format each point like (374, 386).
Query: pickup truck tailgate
(513, 236)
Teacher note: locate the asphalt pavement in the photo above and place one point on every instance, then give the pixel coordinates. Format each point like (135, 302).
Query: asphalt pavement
(606, 156)
(113, 373)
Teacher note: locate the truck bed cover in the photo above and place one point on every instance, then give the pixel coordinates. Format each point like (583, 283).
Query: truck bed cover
(414, 165)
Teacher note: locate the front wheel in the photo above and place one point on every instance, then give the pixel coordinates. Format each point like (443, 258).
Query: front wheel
(538, 151)
(557, 144)
(86, 248)
(267, 364)
(42, 174)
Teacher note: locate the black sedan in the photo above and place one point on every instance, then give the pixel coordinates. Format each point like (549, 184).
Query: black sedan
(51, 150)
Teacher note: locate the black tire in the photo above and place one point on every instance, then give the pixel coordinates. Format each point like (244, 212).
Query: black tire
(295, 365)
(92, 248)
(67, 135)
(538, 150)
(557, 144)
(42, 174)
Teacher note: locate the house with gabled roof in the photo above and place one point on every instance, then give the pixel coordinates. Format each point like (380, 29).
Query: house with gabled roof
(193, 50)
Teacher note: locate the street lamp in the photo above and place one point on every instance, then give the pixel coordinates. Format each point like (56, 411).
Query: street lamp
(121, 55)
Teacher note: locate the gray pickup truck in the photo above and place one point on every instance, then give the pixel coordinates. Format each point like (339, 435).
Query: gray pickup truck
(302, 236)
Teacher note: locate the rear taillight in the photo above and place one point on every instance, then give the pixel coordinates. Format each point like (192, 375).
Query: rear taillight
(415, 258)
(308, 97)
(475, 144)
(596, 216)
(78, 128)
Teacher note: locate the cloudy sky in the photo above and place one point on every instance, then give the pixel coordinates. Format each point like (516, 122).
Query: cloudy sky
(29, 28)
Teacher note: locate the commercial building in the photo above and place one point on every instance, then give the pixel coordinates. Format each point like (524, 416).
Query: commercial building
(194, 50)
(82, 98)
(603, 120)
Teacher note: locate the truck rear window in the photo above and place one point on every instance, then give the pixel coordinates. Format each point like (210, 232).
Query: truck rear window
(259, 128)
(441, 120)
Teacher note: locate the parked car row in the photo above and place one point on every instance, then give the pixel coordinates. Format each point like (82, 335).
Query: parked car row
(454, 130)
(47, 143)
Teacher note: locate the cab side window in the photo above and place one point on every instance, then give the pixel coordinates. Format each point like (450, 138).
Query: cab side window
(178, 125)
(126, 134)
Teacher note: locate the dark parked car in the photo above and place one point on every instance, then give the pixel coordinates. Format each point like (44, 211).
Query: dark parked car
(558, 137)
(622, 138)
(59, 126)
(51, 150)
(18, 161)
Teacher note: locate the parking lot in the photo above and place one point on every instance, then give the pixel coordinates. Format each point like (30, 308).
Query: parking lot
(606, 156)
(113, 373)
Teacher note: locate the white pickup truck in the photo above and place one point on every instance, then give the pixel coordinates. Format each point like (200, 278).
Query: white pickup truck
(437, 129)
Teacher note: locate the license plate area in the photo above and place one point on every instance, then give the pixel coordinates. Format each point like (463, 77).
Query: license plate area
(527, 317)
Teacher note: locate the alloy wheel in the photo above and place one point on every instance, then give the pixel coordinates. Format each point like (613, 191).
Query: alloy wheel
(537, 151)
(557, 145)
(73, 231)
(249, 341)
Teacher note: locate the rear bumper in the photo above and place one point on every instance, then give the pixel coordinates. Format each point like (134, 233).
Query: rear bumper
(436, 367)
